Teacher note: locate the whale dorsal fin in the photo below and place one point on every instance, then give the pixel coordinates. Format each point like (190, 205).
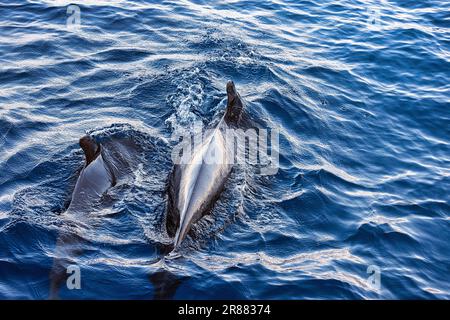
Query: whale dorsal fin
(90, 147)
(234, 104)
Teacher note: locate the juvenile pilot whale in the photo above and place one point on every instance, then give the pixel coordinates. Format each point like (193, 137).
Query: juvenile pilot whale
(195, 185)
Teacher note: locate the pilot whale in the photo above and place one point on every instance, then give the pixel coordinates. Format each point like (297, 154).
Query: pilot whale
(105, 164)
(195, 185)
(95, 178)
(93, 181)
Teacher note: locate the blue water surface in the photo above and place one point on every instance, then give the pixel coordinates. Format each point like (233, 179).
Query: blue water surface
(358, 89)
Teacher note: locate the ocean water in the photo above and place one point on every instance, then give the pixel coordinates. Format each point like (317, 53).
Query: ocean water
(359, 208)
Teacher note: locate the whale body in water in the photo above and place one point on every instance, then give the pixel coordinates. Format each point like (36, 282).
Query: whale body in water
(105, 164)
(95, 178)
(195, 185)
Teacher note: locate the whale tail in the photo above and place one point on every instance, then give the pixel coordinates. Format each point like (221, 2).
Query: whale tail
(90, 147)
(235, 105)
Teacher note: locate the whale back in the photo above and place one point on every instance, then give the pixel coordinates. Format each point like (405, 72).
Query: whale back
(94, 179)
(199, 183)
